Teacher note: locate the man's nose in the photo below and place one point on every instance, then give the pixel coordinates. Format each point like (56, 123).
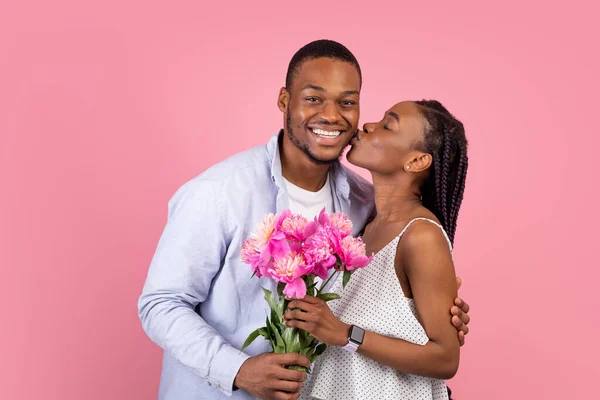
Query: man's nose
(330, 113)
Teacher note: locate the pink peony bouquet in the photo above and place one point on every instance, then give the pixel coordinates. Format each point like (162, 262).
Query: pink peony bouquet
(293, 251)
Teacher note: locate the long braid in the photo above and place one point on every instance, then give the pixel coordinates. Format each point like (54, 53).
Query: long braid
(443, 189)
(459, 187)
(445, 140)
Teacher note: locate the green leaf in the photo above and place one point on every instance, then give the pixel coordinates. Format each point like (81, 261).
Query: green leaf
(251, 337)
(328, 296)
(305, 351)
(310, 285)
(346, 278)
(264, 332)
(281, 301)
(305, 339)
(286, 335)
(276, 305)
(270, 300)
(279, 346)
(274, 317)
(298, 368)
(271, 333)
(285, 302)
(295, 345)
(291, 337)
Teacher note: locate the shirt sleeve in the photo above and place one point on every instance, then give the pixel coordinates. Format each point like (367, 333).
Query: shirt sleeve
(190, 253)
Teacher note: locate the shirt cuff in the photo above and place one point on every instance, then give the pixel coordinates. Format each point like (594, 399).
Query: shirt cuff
(224, 367)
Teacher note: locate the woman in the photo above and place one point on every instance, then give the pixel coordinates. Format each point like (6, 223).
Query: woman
(388, 336)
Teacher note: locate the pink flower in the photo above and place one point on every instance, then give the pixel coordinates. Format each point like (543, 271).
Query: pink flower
(277, 247)
(323, 218)
(266, 243)
(296, 289)
(269, 233)
(290, 270)
(287, 268)
(294, 226)
(342, 223)
(319, 253)
(335, 226)
(291, 251)
(251, 254)
(265, 230)
(352, 253)
(287, 247)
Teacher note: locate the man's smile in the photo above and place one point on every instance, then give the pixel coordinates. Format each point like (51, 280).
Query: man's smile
(327, 133)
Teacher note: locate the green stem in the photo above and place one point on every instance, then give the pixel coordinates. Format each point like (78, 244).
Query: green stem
(298, 368)
(326, 282)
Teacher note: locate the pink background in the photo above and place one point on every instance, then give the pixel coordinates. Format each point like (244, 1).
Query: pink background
(106, 108)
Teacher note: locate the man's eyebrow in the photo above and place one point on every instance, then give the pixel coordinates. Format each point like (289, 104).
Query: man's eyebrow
(320, 89)
(315, 87)
(393, 115)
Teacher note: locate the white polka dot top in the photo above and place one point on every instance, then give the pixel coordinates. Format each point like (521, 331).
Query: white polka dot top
(373, 300)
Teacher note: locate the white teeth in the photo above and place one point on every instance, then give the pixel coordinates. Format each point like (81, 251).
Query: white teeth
(328, 134)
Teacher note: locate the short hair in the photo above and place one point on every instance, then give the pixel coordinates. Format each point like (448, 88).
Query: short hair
(317, 49)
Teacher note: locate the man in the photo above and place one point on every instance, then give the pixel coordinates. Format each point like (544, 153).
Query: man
(199, 302)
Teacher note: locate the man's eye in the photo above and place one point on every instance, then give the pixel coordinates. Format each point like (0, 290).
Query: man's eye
(348, 102)
(312, 99)
(386, 127)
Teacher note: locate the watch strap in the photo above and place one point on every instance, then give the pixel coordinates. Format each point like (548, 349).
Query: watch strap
(355, 338)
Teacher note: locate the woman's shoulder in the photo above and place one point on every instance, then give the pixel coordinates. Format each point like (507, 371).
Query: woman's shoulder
(423, 233)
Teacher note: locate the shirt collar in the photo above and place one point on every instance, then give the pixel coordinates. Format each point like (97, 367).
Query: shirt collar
(337, 171)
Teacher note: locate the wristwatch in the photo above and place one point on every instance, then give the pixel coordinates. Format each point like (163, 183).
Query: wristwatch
(356, 335)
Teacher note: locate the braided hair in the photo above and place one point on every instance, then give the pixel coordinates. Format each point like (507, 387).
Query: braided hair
(442, 191)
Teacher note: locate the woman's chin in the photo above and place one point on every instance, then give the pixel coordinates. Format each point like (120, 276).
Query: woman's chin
(351, 157)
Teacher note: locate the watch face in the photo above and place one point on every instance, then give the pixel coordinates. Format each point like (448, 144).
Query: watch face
(357, 334)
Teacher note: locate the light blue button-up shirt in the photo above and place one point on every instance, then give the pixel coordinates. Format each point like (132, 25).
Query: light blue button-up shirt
(200, 302)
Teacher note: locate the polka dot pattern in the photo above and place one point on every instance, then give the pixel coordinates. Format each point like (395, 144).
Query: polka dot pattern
(373, 300)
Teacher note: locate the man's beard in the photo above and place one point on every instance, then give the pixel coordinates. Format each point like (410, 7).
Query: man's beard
(304, 147)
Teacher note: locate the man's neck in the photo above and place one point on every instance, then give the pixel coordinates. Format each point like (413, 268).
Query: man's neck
(299, 169)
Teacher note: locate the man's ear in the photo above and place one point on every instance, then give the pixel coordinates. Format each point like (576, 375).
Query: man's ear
(418, 162)
(283, 99)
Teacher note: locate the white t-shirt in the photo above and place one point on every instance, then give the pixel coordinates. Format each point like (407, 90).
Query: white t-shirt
(307, 203)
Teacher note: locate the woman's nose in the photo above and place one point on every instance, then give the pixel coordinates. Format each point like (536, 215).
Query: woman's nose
(368, 127)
